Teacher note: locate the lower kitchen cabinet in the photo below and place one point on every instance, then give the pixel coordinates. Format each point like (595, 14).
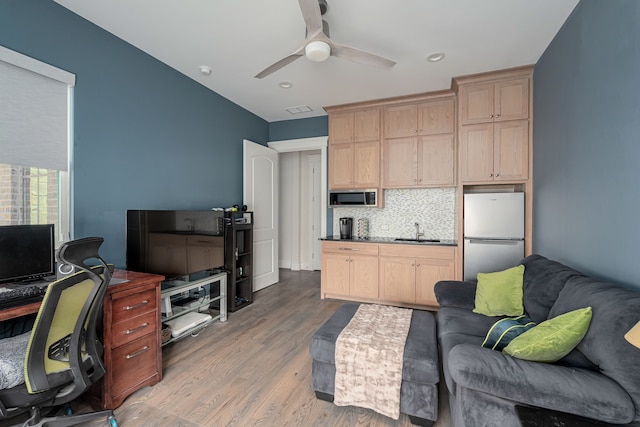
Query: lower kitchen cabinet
(408, 273)
(349, 270)
(387, 273)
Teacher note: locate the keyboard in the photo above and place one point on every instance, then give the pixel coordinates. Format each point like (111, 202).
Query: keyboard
(13, 296)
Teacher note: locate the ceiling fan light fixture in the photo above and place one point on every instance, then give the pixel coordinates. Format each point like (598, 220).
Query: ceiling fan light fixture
(317, 51)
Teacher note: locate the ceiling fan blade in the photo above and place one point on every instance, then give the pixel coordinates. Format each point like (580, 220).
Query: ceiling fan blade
(275, 67)
(360, 56)
(311, 14)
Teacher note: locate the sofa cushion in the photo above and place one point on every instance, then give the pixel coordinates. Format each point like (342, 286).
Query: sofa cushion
(615, 311)
(463, 321)
(452, 293)
(500, 293)
(552, 339)
(576, 391)
(543, 281)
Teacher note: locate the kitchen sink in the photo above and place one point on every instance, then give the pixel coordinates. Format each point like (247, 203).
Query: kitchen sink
(417, 240)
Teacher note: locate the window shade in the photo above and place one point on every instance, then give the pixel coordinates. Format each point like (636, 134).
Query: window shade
(33, 112)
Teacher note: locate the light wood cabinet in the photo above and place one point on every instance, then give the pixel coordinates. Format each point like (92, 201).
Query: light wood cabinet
(408, 273)
(354, 165)
(354, 126)
(424, 161)
(424, 118)
(349, 270)
(494, 101)
(389, 273)
(495, 152)
(418, 149)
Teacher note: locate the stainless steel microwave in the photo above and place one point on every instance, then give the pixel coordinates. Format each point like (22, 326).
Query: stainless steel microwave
(353, 198)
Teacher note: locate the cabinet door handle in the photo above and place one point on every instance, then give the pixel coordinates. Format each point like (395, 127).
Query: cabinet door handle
(491, 175)
(349, 249)
(497, 175)
(133, 307)
(134, 330)
(497, 115)
(137, 353)
(491, 116)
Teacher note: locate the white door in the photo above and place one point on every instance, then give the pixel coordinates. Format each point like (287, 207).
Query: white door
(314, 209)
(260, 194)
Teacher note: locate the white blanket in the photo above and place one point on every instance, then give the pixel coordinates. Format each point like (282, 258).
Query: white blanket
(368, 359)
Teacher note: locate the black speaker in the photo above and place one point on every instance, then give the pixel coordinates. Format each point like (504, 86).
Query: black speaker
(64, 270)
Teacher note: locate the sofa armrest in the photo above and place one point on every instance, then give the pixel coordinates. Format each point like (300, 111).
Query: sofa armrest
(454, 293)
(576, 391)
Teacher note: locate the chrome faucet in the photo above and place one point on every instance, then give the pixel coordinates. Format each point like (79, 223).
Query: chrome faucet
(418, 233)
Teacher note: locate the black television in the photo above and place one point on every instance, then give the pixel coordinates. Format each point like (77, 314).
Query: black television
(27, 252)
(175, 243)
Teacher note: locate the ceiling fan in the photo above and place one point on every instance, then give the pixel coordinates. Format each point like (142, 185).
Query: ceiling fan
(318, 46)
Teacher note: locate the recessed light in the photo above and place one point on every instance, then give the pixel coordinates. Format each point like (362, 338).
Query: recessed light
(435, 57)
(285, 85)
(205, 70)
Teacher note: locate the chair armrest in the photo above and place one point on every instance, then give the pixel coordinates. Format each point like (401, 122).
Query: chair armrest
(573, 390)
(454, 293)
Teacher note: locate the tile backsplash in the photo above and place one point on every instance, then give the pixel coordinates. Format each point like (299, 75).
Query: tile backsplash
(433, 208)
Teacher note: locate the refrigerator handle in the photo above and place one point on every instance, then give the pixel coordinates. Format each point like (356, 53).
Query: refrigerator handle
(495, 241)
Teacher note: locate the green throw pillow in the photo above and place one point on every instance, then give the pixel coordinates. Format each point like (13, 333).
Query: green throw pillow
(500, 293)
(552, 339)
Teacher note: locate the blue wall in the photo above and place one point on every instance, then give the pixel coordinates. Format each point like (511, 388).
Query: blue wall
(146, 136)
(587, 142)
(301, 128)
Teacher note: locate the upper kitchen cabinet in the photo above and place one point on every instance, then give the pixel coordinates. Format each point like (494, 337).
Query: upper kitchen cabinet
(354, 148)
(495, 152)
(354, 165)
(418, 149)
(354, 126)
(425, 161)
(423, 118)
(495, 126)
(496, 101)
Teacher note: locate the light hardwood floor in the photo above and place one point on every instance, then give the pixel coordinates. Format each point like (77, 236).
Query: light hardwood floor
(253, 370)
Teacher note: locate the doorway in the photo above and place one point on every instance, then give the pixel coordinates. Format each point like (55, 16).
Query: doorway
(303, 201)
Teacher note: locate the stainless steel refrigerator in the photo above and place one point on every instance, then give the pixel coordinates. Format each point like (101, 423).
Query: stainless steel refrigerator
(493, 232)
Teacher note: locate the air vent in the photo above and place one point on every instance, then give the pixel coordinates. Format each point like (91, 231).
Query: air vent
(300, 109)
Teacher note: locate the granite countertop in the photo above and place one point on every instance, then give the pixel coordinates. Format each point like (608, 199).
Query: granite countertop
(440, 242)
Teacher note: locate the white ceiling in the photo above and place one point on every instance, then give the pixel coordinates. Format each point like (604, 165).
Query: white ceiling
(239, 38)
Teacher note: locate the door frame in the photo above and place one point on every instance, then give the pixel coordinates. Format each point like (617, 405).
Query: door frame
(308, 144)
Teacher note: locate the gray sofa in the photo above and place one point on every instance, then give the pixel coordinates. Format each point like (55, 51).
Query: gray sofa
(599, 379)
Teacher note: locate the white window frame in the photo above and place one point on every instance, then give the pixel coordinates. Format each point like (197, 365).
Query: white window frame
(65, 189)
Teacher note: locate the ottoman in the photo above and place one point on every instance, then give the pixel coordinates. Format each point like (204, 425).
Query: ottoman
(420, 371)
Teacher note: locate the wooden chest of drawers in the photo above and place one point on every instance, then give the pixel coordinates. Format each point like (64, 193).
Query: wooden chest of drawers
(131, 338)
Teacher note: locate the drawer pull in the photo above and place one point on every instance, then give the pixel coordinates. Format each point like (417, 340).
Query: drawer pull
(134, 330)
(137, 353)
(133, 307)
(349, 249)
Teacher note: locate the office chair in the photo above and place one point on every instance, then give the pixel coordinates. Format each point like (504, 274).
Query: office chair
(62, 356)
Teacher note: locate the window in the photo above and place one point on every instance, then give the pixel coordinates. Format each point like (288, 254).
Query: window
(35, 118)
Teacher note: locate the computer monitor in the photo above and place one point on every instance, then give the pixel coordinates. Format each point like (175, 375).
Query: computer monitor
(27, 252)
